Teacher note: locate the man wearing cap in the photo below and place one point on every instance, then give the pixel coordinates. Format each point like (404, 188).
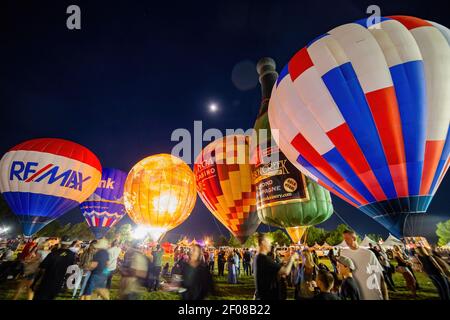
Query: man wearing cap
(53, 269)
(349, 288)
(368, 272)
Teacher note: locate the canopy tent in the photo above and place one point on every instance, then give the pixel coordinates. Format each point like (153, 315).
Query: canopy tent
(366, 241)
(391, 241)
(343, 244)
(326, 246)
(316, 246)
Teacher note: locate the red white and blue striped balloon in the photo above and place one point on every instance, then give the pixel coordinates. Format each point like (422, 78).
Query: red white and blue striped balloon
(104, 208)
(365, 112)
(42, 179)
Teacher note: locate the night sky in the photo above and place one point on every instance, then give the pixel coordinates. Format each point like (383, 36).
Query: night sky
(138, 70)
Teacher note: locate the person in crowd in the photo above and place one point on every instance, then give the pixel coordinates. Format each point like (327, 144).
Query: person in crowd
(197, 281)
(54, 268)
(435, 272)
(75, 247)
(113, 254)
(267, 271)
(27, 249)
(221, 262)
(211, 258)
(205, 257)
(84, 264)
(325, 282)
(315, 257)
(246, 261)
(404, 261)
(349, 289)
(157, 254)
(332, 257)
(306, 276)
(368, 272)
(237, 262)
(388, 268)
(31, 266)
(165, 270)
(134, 270)
(96, 285)
(231, 266)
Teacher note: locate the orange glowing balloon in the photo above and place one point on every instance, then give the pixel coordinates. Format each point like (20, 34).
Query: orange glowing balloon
(160, 193)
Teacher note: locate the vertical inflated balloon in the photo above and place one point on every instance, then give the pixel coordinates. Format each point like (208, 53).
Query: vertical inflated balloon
(104, 208)
(365, 112)
(159, 193)
(225, 185)
(42, 179)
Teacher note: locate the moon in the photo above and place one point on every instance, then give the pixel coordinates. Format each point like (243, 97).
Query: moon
(213, 108)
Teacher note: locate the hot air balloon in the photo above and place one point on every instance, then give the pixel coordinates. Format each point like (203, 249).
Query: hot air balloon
(41, 179)
(159, 193)
(365, 109)
(285, 197)
(224, 183)
(104, 208)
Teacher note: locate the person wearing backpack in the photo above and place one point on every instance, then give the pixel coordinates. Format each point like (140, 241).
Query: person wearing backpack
(134, 271)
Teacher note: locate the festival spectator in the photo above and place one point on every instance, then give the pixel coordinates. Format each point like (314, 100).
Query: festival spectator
(84, 263)
(211, 258)
(404, 262)
(434, 271)
(388, 268)
(246, 262)
(368, 272)
(237, 262)
(31, 266)
(221, 262)
(157, 254)
(165, 270)
(31, 243)
(75, 247)
(96, 285)
(267, 272)
(197, 281)
(332, 257)
(113, 253)
(54, 268)
(349, 289)
(325, 282)
(231, 265)
(315, 257)
(134, 272)
(306, 277)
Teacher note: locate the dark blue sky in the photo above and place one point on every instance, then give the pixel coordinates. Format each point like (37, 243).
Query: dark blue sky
(138, 70)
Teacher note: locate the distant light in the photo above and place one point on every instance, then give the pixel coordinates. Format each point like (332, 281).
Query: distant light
(4, 230)
(213, 107)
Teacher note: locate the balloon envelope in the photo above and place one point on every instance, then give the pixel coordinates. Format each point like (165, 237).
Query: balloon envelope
(42, 179)
(104, 208)
(224, 183)
(364, 111)
(160, 193)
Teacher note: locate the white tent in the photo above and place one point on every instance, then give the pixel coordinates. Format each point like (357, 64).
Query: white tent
(391, 241)
(366, 241)
(343, 244)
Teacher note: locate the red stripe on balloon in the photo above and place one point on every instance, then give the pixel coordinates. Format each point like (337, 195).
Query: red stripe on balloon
(299, 63)
(38, 172)
(348, 147)
(433, 151)
(312, 156)
(411, 22)
(384, 108)
(338, 194)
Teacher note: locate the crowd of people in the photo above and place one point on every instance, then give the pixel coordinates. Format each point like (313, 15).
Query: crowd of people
(46, 269)
(356, 273)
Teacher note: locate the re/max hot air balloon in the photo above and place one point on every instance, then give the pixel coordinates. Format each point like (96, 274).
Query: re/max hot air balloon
(42, 179)
(224, 183)
(104, 208)
(159, 193)
(365, 111)
(285, 197)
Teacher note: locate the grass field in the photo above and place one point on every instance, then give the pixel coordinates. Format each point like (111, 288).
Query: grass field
(244, 290)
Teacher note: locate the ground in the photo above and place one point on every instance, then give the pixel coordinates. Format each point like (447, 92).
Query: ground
(244, 290)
